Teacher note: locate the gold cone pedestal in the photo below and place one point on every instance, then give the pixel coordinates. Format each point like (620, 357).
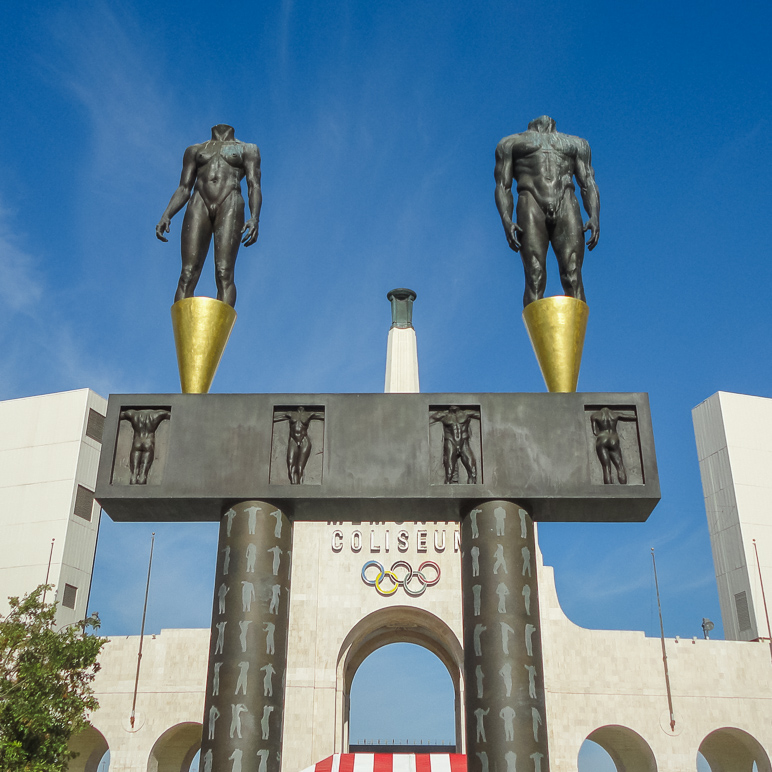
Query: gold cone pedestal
(202, 327)
(556, 327)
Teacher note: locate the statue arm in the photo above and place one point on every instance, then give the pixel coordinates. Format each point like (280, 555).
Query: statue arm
(625, 415)
(281, 417)
(585, 176)
(161, 415)
(594, 424)
(254, 194)
(504, 201)
(181, 196)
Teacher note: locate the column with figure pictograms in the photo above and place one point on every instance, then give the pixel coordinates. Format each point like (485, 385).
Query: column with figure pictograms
(244, 706)
(505, 707)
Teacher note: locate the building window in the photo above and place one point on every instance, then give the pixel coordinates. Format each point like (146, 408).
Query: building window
(743, 612)
(84, 502)
(95, 425)
(70, 593)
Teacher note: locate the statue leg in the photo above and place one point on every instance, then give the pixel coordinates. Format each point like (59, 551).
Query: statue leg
(616, 457)
(468, 460)
(145, 462)
(254, 624)
(227, 238)
(292, 459)
(194, 243)
(534, 242)
(305, 452)
(568, 243)
(605, 461)
(134, 465)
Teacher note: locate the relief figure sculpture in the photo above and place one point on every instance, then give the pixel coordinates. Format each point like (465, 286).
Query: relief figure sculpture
(299, 444)
(144, 423)
(543, 162)
(604, 427)
(211, 187)
(456, 434)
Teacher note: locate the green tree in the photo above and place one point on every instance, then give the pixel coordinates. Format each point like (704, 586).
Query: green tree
(45, 684)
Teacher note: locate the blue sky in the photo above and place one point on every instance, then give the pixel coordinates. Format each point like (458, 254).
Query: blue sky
(377, 124)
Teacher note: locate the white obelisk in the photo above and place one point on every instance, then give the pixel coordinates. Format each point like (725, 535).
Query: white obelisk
(402, 349)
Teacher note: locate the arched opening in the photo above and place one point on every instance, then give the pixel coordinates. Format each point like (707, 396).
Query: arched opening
(175, 749)
(593, 758)
(415, 702)
(91, 747)
(732, 750)
(398, 624)
(616, 748)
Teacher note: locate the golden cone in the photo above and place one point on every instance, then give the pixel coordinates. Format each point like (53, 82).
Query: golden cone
(556, 327)
(202, 327)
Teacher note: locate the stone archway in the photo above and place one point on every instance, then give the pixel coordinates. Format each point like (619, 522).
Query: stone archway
(628, 750)
(398, 624)
(91, 746)
(732, 750)
(175, 749)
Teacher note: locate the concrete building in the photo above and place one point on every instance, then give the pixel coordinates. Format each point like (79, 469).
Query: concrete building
(735, 452)
(607, 686)
(49, 453)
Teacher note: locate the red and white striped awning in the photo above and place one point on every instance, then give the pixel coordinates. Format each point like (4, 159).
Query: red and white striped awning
(391, 762)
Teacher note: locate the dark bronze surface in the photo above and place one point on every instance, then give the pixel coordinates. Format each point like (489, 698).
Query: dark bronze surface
(144, 424)
(456, 441)
(211, 187)
(607, 443)
(543, 162)
(298, 442)
(244, 703)
(375, 452)
(503, 665)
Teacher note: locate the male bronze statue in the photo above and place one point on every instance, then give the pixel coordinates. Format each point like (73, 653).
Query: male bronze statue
(144, 423)
(456, 431)
(543, 163)
(211, 186)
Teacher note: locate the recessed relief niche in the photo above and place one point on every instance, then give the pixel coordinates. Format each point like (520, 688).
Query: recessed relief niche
(455, 444)
(297, 445)
(614, 444)
(141, 446)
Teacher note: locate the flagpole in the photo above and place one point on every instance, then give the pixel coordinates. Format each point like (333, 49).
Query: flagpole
(48, 570)
(664, 654)
(763, 595)
(142, 634)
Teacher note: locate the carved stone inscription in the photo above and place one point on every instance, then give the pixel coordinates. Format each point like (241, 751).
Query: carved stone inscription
(614, 444)
(141, 446)
(455, 443)
(297, 445)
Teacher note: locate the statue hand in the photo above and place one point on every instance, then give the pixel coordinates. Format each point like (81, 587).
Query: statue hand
(512, 230)
(161, 228)
(249, 231)
(594, 228)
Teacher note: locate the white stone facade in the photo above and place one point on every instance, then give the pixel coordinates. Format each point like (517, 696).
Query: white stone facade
(48, 469)
(733, 434)
(606, 685)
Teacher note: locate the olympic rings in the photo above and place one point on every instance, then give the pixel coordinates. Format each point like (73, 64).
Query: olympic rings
(404, 582)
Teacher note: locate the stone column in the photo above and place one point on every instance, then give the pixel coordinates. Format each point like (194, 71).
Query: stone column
(506, 728)
(244, 706)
